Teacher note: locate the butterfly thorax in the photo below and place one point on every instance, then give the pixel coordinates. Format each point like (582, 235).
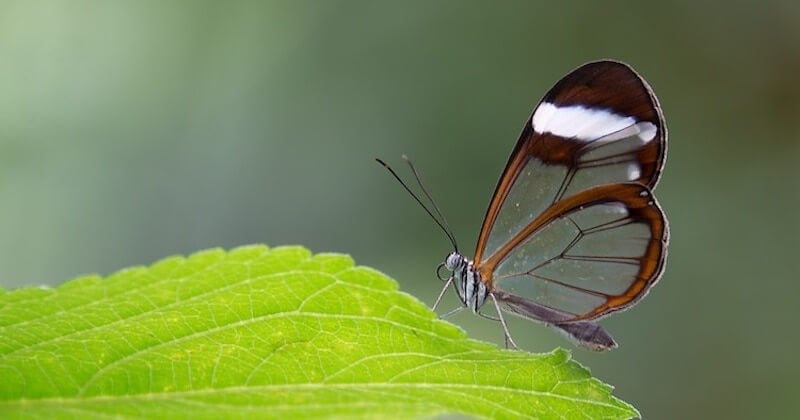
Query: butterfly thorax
(471, 289)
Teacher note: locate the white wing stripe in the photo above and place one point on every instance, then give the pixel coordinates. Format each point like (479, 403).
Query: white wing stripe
(586, 124)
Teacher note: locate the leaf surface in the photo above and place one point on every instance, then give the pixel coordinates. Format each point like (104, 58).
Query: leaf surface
(266, 332)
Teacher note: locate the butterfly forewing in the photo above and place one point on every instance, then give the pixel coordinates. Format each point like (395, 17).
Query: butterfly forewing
(573, 229)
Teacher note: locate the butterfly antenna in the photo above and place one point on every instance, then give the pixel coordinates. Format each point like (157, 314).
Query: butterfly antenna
(433, 203)
(443, 222)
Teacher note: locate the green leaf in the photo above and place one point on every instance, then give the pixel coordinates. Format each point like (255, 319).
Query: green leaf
(266, 332)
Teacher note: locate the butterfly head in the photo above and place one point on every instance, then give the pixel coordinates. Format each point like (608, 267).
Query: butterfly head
(454, 261)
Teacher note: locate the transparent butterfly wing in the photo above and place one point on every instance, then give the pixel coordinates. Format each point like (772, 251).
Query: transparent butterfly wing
(573, 232)
(589, 255)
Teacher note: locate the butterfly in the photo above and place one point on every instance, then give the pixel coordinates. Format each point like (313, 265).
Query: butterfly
(573, 232)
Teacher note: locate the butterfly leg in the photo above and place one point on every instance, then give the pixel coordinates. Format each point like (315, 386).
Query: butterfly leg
(489, 317)
(453, 312)
(507, 333)
(441, 294)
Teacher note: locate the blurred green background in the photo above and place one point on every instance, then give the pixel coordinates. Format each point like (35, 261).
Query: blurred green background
(130, 131)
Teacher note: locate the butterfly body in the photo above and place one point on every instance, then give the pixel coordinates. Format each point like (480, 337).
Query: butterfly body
(470, 287)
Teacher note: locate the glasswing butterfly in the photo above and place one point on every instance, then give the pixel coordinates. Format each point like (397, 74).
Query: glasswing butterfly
(573, 232)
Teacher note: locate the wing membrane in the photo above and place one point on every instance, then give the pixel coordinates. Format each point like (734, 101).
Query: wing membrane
(585, 256)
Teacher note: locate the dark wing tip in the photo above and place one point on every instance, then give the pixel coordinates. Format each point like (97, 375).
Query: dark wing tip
(611, 85)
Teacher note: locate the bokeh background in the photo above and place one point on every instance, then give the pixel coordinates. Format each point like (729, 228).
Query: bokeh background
(130, 131)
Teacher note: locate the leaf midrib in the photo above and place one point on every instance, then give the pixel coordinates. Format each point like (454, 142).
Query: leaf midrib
(153, 396)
